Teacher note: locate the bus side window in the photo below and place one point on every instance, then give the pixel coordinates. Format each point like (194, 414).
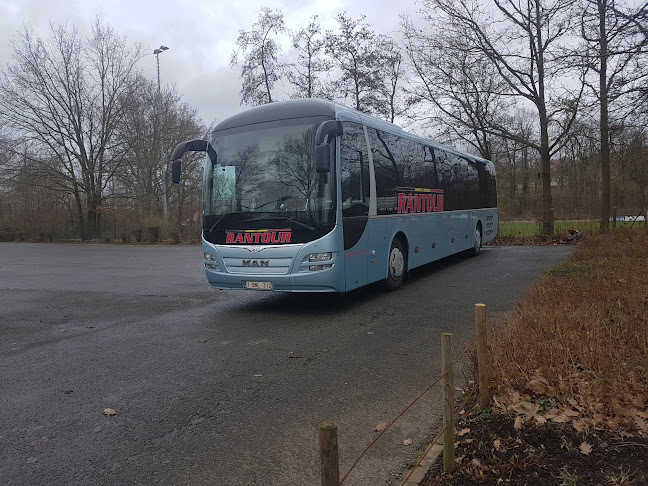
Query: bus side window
(354, 165)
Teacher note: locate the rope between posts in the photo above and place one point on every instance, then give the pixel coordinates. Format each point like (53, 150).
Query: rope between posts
(427, 451)
(470, 344)
(390, 424)
(466, 400)
(405, 410)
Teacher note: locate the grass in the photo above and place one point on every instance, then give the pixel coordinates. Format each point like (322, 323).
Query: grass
(584, 329)
(529, 229)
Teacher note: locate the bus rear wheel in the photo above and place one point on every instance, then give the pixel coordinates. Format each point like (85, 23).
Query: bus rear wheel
(396, 266)
(478, 241)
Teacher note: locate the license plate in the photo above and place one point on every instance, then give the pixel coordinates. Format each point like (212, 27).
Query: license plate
(258, 285)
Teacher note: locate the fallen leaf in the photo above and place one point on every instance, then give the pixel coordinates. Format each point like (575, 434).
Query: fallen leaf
(496, 444)
(519, 421)
(476, 463)
(468, 441)
(557, 416)
(97, 429)
(370, 333)
(381, 426)
(642, 425)
(526, 408)
(579, 425)
(32, 460)
(407, 442)
(109, 411)
(42, 440)
(540, 420)
(586, 448)
(463, 432)
(499, 404)
(539, 385)
(258, 375)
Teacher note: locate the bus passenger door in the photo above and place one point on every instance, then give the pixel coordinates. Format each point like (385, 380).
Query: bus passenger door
(378, 249)
(354, 175)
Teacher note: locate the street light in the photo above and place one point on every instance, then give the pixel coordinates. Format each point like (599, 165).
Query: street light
(157, 53)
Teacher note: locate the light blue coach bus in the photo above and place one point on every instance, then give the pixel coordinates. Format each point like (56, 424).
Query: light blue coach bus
(311, 196)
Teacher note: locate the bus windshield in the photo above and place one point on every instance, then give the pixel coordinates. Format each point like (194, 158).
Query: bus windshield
(264, 177)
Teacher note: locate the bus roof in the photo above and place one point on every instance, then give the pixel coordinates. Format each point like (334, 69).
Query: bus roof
(308, 107)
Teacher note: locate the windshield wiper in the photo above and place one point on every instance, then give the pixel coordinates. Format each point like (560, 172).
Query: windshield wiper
(216, 223)
(280, 218)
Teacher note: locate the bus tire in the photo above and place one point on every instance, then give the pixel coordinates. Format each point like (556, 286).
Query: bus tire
(478, 241)
(396, 266)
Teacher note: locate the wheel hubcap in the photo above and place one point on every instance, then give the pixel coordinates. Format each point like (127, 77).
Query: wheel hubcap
(396, 263)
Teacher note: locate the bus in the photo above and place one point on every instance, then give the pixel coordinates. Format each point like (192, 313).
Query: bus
(311, 196)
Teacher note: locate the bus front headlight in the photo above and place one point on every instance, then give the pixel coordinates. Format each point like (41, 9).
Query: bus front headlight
(320, 267)
(210, 261)
(320, 257)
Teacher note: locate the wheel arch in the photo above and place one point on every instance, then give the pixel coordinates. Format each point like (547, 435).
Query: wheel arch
(400, 235)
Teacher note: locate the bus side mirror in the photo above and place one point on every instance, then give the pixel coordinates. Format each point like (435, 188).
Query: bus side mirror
(325, 132)
(176, 170)
(184, 147)
(323, 158)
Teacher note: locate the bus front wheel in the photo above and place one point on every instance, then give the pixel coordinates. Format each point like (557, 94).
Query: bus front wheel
(396, 265)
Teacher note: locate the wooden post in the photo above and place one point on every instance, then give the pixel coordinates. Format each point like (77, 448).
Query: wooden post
(329, 454)
(614, 217)
(448, 404)
(483, 370)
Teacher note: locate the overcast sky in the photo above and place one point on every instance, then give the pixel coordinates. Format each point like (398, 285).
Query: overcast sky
(200, 34)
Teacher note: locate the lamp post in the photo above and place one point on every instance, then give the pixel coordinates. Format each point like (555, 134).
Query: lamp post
(157, 53)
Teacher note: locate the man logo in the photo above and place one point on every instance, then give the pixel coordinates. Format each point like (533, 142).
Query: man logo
(256, 263)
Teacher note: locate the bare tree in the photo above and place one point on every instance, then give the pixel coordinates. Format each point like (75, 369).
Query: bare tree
(613, 40)
(153, 125)
(466, 90)
(65, 96)
(304, 74)
(392, 100)
(357, 55)
(524, 42)
(260, 69)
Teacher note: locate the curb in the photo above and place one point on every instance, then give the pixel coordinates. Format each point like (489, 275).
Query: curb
(422, 469)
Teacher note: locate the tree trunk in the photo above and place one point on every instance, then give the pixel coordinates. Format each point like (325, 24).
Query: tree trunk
(604, 121)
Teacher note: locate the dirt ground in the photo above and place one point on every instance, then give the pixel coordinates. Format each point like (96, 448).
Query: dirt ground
(490, 451)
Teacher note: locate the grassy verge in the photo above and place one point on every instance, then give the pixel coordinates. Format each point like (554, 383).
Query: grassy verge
(569, 376)
(529, 229)
(581, 334)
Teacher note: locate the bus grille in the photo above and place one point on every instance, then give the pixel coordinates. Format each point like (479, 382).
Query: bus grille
(258, 266)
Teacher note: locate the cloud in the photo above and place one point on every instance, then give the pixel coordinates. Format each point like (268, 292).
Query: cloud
(201, 35)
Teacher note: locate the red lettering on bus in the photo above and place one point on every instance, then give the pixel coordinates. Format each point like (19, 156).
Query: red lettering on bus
(239, 238)
(410, 205)
(229, 238)
(429, 200)
(401, 202)
(248, 238)
(274, 237)
(418, 201)
(439, 205)
(285, 237)
(265, 237)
